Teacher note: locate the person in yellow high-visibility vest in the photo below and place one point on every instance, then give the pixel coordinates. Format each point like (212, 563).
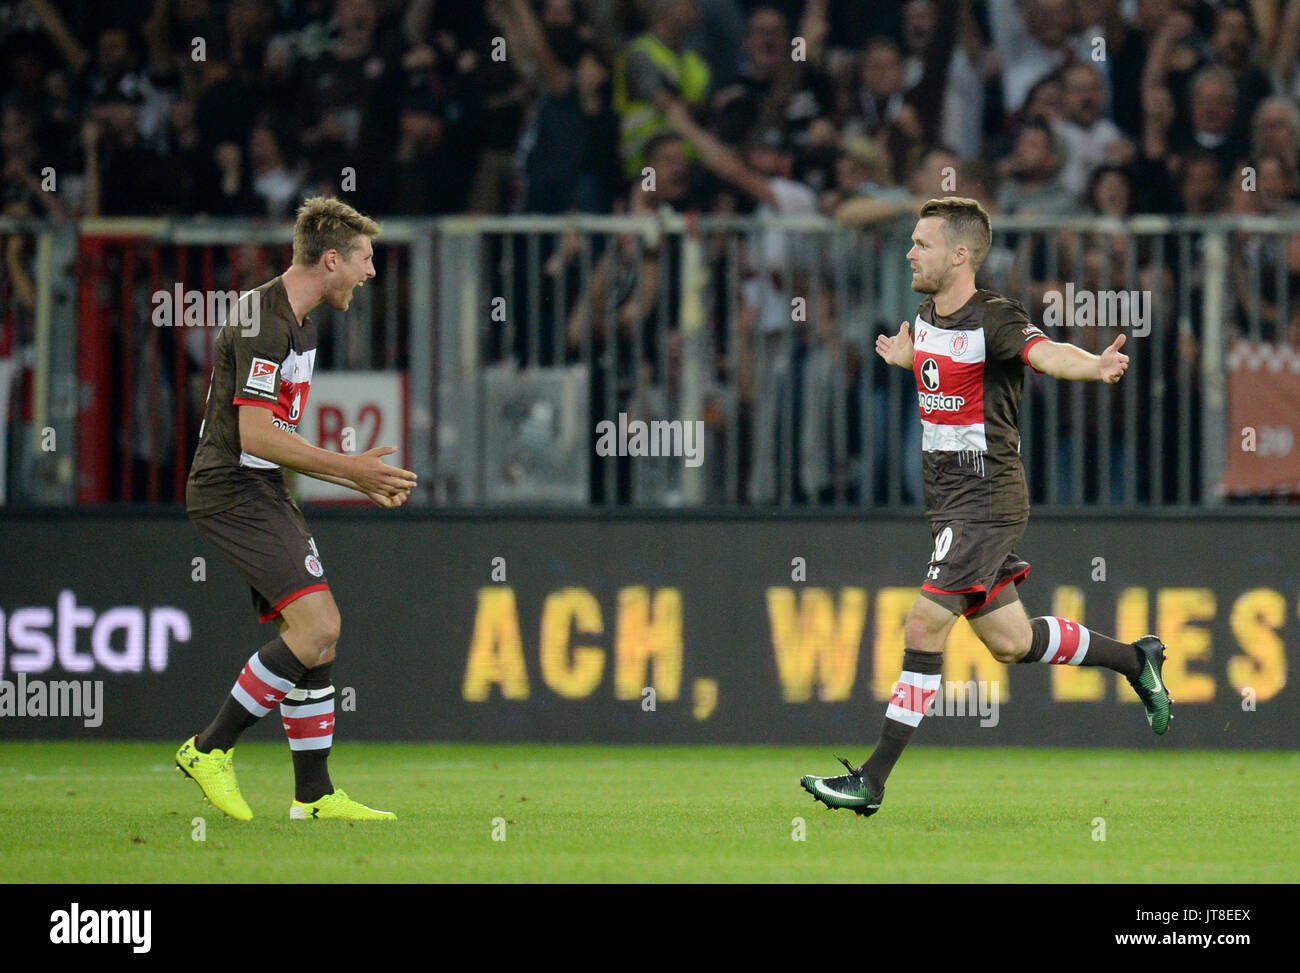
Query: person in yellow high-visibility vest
(651, 73)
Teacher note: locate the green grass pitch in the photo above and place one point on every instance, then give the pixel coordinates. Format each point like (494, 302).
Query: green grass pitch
(120, 812)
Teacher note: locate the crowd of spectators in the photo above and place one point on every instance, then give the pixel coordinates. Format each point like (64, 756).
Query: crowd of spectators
(841, 107)
(240, 107)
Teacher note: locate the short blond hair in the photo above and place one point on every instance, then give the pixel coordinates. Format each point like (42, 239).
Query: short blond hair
(324, 224)
(965, 223)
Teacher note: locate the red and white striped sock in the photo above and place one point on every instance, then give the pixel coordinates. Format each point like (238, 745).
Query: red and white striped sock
(265, 679)
(1067, 641)
(308, 717)
(1061, 642)
(914, 693)
(258, 689)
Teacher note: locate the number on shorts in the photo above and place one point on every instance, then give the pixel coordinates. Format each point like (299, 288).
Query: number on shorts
(941, 544)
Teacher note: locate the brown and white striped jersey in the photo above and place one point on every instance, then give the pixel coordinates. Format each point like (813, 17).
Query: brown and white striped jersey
(269, 367)
(969, 369)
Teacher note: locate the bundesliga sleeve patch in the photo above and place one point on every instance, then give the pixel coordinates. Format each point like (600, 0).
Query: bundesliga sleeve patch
(261, 376)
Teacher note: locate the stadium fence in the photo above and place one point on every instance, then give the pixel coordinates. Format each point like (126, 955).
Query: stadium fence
(492, 348)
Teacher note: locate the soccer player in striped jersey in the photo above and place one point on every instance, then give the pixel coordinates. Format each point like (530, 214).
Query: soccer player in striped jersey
(239, 502)
(968, 353)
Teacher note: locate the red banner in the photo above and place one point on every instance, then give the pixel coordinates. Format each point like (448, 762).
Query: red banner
(1263, 420)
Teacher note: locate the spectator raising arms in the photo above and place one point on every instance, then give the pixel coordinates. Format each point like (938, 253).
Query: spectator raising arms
(547, 106)
(654, 70)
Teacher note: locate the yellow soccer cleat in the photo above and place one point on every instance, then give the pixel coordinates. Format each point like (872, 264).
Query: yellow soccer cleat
(215, 774)
(339, 806)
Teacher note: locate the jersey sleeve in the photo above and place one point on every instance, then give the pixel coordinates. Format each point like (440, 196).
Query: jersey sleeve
(1009, 333)
(258, 358)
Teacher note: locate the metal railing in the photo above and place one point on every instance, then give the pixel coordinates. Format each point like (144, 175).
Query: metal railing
(766, 332)
(532, 346)
(118, 343)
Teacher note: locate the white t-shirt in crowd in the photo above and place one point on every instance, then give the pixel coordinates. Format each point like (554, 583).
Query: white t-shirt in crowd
(771, 256)
(1083, 151)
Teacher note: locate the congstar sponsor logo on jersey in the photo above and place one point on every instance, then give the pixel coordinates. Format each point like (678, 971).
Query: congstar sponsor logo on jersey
(931, 398)
(938, 402)
(949, 367)
(934, 402)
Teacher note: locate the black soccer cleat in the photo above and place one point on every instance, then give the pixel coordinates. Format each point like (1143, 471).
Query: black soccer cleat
(848, 790)
(1149, 684)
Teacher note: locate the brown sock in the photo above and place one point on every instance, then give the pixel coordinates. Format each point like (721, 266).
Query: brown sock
(913, 694)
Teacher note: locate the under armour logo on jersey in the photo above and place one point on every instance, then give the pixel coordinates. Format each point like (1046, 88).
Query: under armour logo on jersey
(932, 574)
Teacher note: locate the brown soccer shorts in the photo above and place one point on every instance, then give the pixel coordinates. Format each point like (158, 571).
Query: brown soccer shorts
(972, 564)
(269, 544)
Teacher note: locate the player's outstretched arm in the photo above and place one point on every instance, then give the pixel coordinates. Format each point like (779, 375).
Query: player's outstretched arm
(897, 350)
(366, 471)
(1061, 360)
(379, 499)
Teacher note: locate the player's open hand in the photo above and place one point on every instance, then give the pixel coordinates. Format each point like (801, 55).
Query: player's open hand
(1113, 364)
(897, 350)
(373, 476)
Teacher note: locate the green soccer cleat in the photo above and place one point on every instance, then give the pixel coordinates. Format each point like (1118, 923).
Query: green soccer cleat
(215, 774)
(1149, 686)
(848, 790)
(338, 806)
